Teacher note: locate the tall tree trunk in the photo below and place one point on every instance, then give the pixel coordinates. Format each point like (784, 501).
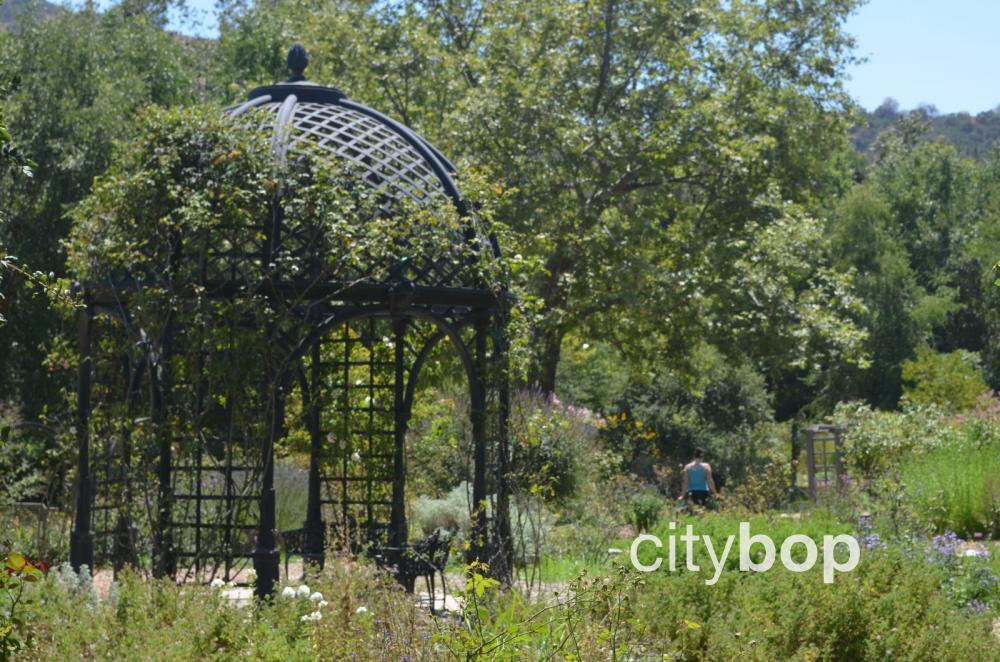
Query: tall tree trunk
(547, 347)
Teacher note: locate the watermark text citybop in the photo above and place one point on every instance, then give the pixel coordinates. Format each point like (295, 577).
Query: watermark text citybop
(846, 545)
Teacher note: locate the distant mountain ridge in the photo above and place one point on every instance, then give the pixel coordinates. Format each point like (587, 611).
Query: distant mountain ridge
(11, 8)
(972, 135)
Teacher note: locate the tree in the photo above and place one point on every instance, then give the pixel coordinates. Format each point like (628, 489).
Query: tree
(919, 231)
(12, 164)
(643, 145)
(84, 74)
(951, 381)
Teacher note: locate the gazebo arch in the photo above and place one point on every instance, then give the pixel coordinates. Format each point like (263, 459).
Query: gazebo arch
(353, 350)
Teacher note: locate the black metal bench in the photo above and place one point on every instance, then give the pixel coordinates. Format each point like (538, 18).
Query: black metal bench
(425, 558)
(292, 541)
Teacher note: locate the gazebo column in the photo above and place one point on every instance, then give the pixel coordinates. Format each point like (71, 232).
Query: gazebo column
(478, 548)
(265, 554)
(81, 550)
(504, 538)
(315, 527)
(398, 533)
(165, 563)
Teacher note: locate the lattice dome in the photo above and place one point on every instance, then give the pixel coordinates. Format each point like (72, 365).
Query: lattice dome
(387, 155)
(392, 158)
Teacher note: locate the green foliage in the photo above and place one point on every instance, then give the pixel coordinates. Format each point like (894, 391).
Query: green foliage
(888, 606)
(439, 439)
(83, 75)
(897, 602)
(593, 375)
(553, 445)
(14, 574)
(19, 475)
(764, 488)
(956, 487)
(194, 179)
(722, 406)
(291, 490)
(950, 381)
(972, 135)
(449, 514)
(902, 601)
(143, 619)
(876, 441)
(919, 233)
(646, 507)
(640, 148)
(10, 154)
(595, 619)
(942, 470)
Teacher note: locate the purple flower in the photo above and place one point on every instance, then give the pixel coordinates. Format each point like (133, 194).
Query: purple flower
(976, 606)
(943, 547)
(865, 523)
(872, 541)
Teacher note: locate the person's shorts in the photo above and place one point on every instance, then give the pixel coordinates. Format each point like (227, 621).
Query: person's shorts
(698, 497)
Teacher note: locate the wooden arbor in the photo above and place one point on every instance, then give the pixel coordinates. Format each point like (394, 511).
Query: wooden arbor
(177, 467)
(824, 459)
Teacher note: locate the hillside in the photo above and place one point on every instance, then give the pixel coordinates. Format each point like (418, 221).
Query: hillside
(972, 135)
(11, 8)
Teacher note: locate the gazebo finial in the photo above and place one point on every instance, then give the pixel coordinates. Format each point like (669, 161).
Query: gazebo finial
(298, 60)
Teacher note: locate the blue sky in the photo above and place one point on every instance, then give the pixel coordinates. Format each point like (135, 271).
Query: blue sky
(942, 52)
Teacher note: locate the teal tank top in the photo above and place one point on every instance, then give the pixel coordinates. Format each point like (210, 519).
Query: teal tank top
(698, 478)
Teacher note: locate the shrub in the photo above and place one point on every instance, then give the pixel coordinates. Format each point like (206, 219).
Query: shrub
(876, 440)
(553, 445)
(763, 489)
(951, 381)
(894, 605)
(646, 507)
(724, 408)
(450, 513)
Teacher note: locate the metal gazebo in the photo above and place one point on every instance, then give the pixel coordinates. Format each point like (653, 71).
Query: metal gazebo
(353, 362)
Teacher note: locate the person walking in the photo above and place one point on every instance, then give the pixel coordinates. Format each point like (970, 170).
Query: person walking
(698, 480)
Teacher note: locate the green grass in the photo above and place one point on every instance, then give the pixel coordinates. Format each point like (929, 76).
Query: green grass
(956, 487)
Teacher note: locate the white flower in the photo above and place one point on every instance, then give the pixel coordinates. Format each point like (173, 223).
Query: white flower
(315, 616)
(361, 610)
(355, 456)
(218, 583)
(303, 591)
(288, 592)
(321, 604)
(316, 597)
(981, 553)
